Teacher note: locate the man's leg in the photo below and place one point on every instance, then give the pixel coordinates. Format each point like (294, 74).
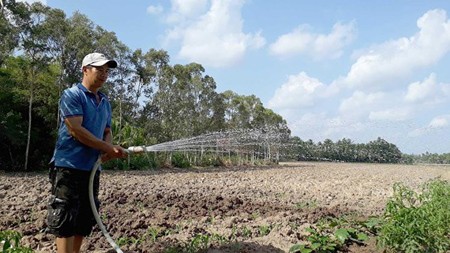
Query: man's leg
(77, 241)
(69, 244)
(64, 244)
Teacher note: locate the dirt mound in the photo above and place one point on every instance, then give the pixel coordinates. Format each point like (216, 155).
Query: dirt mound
(232, 209)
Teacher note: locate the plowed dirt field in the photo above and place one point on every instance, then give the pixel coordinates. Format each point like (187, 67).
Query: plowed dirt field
(237, 209)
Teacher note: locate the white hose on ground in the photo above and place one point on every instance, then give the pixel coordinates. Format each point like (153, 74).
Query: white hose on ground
(94, 208)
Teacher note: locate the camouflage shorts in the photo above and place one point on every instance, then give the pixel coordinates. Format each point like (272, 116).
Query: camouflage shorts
(69, 210)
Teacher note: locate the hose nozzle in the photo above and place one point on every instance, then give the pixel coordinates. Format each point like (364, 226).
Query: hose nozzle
(137, 149)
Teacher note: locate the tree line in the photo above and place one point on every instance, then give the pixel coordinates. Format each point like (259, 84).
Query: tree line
(153, 100)
(344, 150)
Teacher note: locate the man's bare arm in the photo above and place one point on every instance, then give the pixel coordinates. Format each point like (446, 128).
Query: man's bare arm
(87, 138)
(107, 135)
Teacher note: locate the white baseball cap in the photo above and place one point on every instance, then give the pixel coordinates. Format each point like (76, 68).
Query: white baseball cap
(98, 59)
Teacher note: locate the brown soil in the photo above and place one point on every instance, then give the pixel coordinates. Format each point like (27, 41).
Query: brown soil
(262, 209)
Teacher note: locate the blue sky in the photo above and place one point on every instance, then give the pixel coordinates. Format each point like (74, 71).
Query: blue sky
(333, 69)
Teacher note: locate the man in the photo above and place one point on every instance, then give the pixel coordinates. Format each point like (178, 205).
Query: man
(84, 134)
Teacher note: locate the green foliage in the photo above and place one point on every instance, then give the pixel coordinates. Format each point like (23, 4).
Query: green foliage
(14, 94)
(418, 221)
(147, 161)
(264, 230)
(129, 135)
(153, 233)
(350, 234)
(412, 222)
(332, 234)
(300, 248)
(10, 242)
(179, 160)
(318, 242)
(378, 151)
(122, 241)
(246, 232)
(199, 243)
(306, 204)
(427, 158)
(208, 159)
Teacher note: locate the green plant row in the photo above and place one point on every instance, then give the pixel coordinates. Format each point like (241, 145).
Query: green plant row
(178, 160)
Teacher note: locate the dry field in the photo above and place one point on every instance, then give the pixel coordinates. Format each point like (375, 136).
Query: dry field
(263, 209)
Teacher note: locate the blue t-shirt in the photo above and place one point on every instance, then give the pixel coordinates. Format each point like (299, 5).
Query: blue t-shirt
(78, 101)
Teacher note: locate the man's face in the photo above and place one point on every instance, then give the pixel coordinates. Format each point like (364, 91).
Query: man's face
(96, 75)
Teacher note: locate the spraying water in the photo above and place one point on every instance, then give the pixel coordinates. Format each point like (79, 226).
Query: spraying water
(264, 141)
(256, 141)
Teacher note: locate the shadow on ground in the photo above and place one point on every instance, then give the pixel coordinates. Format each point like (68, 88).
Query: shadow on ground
(235, 247)
(245, 247)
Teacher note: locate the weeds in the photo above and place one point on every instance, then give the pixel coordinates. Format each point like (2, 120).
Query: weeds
(199, 243)
(255, 215)
(306, 204)
(264, 230)
(246, 232)
(417, 222)
(152, 233)
(412, 222)
(180, 160)
(10, 242)
(331, 235)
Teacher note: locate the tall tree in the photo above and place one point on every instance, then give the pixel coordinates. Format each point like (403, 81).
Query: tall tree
(34, 48)
(249, 112)
(12, 128)
(152, 71)
(10, 20)
(55, 32)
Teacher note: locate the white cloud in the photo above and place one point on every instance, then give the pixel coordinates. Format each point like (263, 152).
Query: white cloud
(155, 9)
(393, 61)
(383, 94)
(360, 104)
(392, 114)
(299, 91)
(440, 122)
(437, 123)
(321, 126)
(183, 10)
(421, 91)
(214, 38)
(428, 92)
(317, 46)
(311, 125)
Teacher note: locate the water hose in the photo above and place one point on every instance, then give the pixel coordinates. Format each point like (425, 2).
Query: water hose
(94, 207)
(92, 201)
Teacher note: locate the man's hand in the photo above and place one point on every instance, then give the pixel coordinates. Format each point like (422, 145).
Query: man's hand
(115, 151)
(105, 157)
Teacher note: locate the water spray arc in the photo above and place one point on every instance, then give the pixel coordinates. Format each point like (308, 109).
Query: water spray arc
(230, 141)
(235, 141)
